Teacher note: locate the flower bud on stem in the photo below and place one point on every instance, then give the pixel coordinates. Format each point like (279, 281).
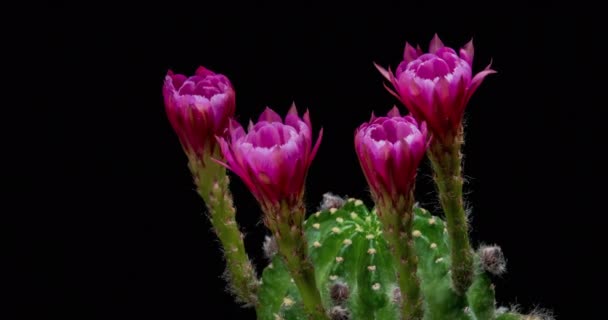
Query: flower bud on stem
(390, 149)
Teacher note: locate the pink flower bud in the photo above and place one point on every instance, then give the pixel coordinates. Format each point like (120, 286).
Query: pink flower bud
(390, 149)
(199, 108)
(272, 157)
(436, 86)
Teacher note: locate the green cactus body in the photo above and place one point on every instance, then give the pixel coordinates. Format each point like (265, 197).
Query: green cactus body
(346, 245)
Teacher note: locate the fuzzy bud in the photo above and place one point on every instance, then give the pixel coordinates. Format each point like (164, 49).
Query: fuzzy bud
(339, 292)
(339, 313)
(492, 260)
(331, 200)
(397, 299)
(270, 247)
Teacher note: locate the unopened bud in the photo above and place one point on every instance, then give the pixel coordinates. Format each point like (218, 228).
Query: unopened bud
(492, 259)
(339, 292)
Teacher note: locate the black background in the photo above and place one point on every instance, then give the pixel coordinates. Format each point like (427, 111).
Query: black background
(126, 236)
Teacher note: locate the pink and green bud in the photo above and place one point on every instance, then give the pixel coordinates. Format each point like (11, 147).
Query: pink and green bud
(390, 149)
(199, 108)
(436, 86)
(272, 157)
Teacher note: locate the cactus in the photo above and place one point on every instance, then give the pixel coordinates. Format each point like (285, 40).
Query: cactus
(348, 249)
(345, 261)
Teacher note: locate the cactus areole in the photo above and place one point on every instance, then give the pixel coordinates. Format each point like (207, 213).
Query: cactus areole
(347, 261)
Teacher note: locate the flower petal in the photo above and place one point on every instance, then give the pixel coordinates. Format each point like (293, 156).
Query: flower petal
(270, 116)
(468, 52)
(382, 71)
(409, 53)
(436, 44)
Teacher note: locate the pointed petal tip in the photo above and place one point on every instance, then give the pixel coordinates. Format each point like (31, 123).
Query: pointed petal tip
(316, 147)
(293, 109)
(490, 65)
(467, 52)
(307, 113)
(383, 72)
(394, 112)
(436, 44)
(269, 115)
(372, 117)
(410, 53)
(203, 71)
(306, 118)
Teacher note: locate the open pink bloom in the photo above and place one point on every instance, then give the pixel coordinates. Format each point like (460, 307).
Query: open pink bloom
(390, 149)
(436, 86)
(273, 157)
(199, 108)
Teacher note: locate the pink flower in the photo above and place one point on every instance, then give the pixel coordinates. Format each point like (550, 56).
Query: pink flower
(199, 108)
(390, 149)
(436, 86)
(273, 157)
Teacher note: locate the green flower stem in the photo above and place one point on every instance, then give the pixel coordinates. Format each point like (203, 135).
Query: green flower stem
(212, 185)
(287, 227)
(446, 162)
(397, 224)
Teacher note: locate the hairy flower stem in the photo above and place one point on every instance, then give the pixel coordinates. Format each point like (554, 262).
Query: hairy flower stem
(446, 161)
(212, 185)
(287, 226)
(397, 221)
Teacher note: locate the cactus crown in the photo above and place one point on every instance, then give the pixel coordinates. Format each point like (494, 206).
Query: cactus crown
(351, 255)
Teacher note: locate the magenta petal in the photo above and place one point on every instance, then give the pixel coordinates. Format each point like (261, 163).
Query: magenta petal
(442, 88)
(177, 80)
(225, 152)
(293, 110)
(270, 116)
(436, 86)
(371, 118)
(293, 120)
(313, 153)
(187, 88)
(198, 108)
(236, 130)
(436, 44)
(307, 119)
(382, 71)
(267, 137)
(273, 157)
(204, 72)
(440, 67)
(467, 52)
(477, 80)
(394, 112)
(389, 151)
(409, 53)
